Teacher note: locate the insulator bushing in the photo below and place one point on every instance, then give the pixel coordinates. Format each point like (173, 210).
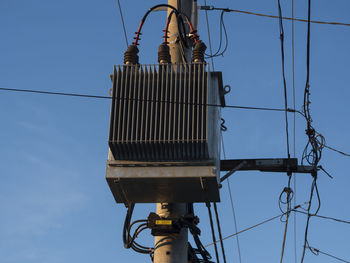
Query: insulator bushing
(198, 52)
(164, 54)
(130, 55)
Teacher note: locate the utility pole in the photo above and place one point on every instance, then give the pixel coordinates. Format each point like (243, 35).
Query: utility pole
(173, 247)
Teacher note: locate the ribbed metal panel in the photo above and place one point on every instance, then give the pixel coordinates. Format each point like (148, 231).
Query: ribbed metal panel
(160, 112)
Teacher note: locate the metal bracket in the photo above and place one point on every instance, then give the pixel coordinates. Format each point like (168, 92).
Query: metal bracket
(279, 165)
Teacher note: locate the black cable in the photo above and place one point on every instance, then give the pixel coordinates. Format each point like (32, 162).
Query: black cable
(283, 74)
(128, 240)
(213, 232)
(209, 8)
(335, 150)
(123, 24)
(324, 217)
(219, 230)
(317, 252)
(289, 196)
(209, 38)
(309, 214)
(222, 29)
(132, 99)
(246, 229)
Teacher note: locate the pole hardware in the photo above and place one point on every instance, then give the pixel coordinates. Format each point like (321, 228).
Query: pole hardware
(163, 226)
(279, 165)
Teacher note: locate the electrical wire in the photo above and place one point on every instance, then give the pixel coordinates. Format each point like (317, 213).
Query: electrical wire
(219, 230)
(178, 14)
(231, 202)
(283, 75)
(294, 139)
(324, 217)
(220, 52)
(213, 232)
(147, 100)
(317, 252)
(209, 38)
(314, 188)
(208, 8)
(289, 196)
(287, 190)
(123, 24)
(246, 229)
(129, 240)
(335, 150)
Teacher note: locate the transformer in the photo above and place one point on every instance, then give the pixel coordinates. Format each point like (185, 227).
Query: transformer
(164, 136)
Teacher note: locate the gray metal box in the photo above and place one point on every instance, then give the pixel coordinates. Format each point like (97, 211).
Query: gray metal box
(164, 134)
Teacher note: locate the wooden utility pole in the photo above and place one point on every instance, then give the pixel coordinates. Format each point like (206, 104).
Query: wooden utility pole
(173, 247)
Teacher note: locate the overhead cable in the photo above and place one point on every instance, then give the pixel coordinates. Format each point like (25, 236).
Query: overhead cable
(324, 217)
(209, 38)
(150, 100)
(219, 230)
(335, 150)
(123, 24)
(317, 252)
(272, 16)
(246, 229)
(213, 232)
(231, 202)
(294, 139)
(284, 76)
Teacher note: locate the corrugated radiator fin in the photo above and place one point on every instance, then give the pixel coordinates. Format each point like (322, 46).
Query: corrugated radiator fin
(160, 112)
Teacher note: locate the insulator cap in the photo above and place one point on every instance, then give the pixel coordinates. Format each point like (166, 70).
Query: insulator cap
(198, 52)
(130, 55)
(164, 53)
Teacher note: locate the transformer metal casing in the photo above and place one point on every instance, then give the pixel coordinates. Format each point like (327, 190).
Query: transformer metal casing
(164, 136)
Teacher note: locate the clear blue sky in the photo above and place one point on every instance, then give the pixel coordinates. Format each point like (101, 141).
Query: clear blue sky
(55, 204)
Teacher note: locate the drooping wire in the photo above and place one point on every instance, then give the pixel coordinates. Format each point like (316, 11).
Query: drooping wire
(209, 38)
(283, 74)
(138, 32)
(317, 252)
(178, 14)
(213, 232)
(146, 100)
(220, 52)
(246, 229)
(324, 217)
(288, 192)
(123, 24)
(314, 188)
(219, 230)
(129, 240)
(335, 150)
(294, 139)
(231, 202)
(208, 8)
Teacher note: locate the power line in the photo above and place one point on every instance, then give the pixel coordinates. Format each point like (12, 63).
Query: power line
(231, 201)
(294, 139)
(317, 252)
(123, 24)
(272, 16)
(210, 47)
(324, 217)
(246, 229)
(283, 74)
(219, 230)
(213, 232)
(149, 100)
(335, 150)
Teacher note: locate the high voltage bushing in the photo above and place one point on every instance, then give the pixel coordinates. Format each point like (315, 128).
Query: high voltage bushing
(198, 52)
(164, 54)
(130, 55)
